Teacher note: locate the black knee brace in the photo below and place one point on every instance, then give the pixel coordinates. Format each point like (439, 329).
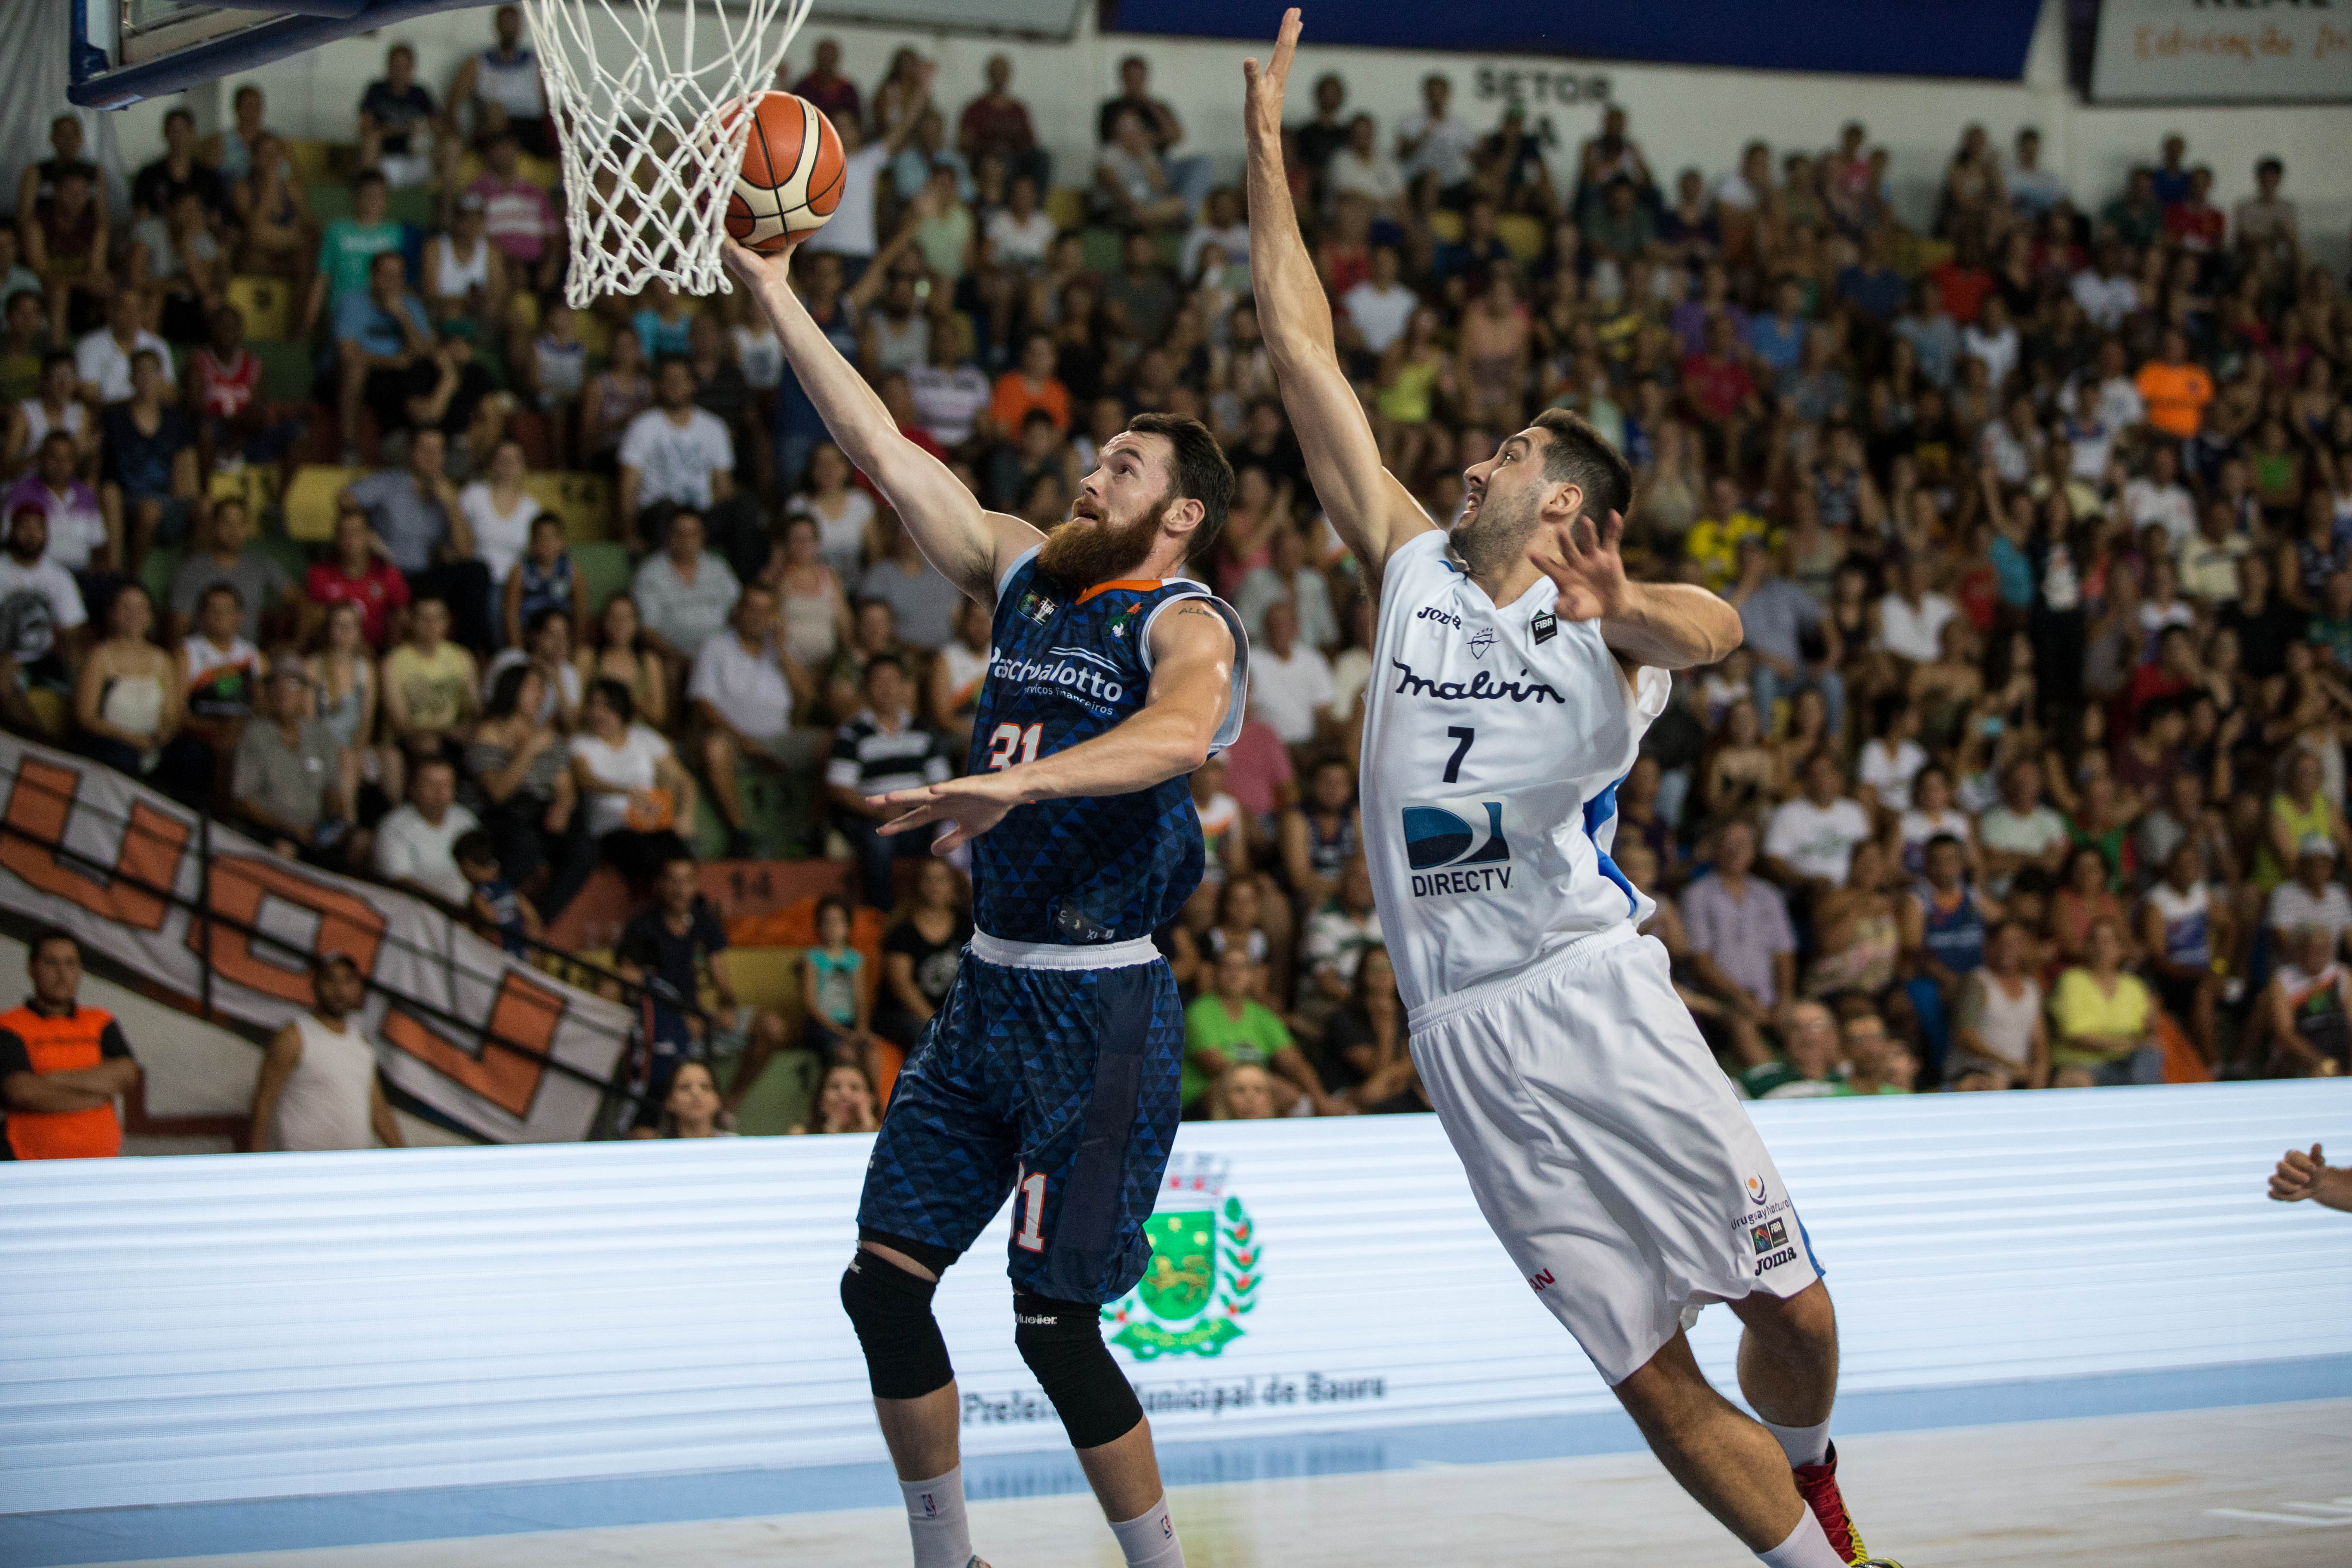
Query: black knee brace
(1062, 1342)
(891, 1311)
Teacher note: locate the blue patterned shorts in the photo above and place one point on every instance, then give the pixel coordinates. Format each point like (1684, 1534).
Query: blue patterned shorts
(1057, 1086)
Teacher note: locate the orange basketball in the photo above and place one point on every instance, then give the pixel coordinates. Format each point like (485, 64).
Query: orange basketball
(791, 176)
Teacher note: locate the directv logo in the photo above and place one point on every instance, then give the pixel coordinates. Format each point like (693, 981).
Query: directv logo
(1456, 847)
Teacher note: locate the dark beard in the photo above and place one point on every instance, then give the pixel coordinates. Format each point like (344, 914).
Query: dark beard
(1489, 543)
(1083, 551)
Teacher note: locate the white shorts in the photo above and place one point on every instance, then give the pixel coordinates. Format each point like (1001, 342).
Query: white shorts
(1606, 1149)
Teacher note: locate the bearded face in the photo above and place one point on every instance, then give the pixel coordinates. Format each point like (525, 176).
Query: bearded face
(1498, 524)
(1090, 548)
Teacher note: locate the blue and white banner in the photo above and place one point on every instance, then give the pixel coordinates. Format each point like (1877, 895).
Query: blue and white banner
(278, 1325)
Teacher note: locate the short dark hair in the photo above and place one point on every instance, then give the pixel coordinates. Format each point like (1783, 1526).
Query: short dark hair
(1199, 471)
(882, 661)
(45, 935)
(369, 178)
(616, 697)
(235, 596)
(506, 693)
(1580, 455)
(475, 846)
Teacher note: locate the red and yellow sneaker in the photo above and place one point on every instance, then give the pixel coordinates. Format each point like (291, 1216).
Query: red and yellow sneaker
(1818, 1486)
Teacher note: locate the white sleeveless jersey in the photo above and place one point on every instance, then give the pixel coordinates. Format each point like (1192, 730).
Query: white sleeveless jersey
(1494, 742)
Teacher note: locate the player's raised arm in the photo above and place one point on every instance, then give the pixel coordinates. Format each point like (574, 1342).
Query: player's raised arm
(1665, 626)
(1373, 511)
(970, 545)
(1192, 685)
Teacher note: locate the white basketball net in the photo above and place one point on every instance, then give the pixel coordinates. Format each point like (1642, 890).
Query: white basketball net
(650, 150)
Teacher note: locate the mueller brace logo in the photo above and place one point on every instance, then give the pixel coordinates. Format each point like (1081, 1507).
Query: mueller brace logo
(1075, 669)
(1480, 688)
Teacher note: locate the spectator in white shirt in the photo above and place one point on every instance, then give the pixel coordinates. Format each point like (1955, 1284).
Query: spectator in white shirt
(2011, 447)
(414, 842)
(685, 593)
(2032, 189)
(1812, 838)
(1221, 224)
(850, 232)
(1431, 143)
(2107, 292)
(1290, 683)
(744, 690)
(2159, 496)
(1287, 579)
(2312, 897)
(949, 396)
(1021, 232)
(1379, 307)
(673, 452)
(1992, 338)
(102, 358)
(1361, 168)
(1911, 617)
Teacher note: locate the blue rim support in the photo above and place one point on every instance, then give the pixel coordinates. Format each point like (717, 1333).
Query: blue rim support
(96, 86)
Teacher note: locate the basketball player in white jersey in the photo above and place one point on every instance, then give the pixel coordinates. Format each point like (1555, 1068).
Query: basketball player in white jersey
(1515, 669)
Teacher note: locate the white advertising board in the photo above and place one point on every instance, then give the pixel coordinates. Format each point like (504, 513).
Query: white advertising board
(2203, 51)
(290, 1324)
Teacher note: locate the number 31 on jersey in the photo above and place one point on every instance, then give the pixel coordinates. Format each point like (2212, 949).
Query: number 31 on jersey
(1011, 743)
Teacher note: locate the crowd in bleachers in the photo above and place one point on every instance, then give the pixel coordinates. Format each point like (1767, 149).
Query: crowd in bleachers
(323, 507)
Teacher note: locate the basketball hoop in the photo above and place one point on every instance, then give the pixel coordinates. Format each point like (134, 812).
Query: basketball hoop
(653, 135)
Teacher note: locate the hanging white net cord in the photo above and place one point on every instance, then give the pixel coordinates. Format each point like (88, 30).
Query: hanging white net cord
(647, 101)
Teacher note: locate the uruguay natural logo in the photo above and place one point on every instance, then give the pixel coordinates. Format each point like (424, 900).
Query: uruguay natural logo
(1205, 1272)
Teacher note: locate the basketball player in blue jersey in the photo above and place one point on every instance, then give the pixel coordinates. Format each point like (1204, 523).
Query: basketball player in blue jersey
(1515, 670)
(1051, 1069)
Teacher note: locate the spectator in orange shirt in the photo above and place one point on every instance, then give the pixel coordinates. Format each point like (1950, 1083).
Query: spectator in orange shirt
(62, 1064)
(2175, 388)
(1033, 385)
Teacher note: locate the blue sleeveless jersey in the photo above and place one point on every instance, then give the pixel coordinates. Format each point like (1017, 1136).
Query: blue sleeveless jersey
(1064, 669)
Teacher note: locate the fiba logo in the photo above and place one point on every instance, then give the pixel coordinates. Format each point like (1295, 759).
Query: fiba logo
(1456, 847)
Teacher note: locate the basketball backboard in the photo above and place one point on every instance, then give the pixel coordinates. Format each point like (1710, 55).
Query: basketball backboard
(126, 51)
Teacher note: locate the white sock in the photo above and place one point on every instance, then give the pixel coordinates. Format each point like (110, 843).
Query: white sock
(1808, 1546)
(935, 1518)
(1149, 1541)
(1804, 1445)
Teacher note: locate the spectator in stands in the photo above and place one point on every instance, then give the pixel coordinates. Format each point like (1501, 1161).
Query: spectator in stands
(103, 357)
(518, 217)
(67, 241)
(41, 621)
(610, 402)
(348, 249)
(464, 273)
(224, 397)
(672, 949)
(500, 514)
(2266, 220)
(414, 842)
(220, 672)
(358, 573)
(640, 803)
(319, 1087)
(846, 1101)
(347, 694)
(522, 777)
(2307, 1007)
(401, 128)
(498, 912)
(1810, 1069)
(287, 780)
(2313, 898)
(500, 88)
(2175, 388)
(2020, 831)
(1779, 620)
(37, 185)
(996, 125)
(229, 556)
(128, 705)
(2300, 811)
(1812, 836)
(453, 391)
(544, 578)
(277, 233)
(546, 647)
(744, 690)
(382, 336)
(673, 453)
(2105, 1018)
(834, 95)
(148, 468)
(1290, 683)
(921, 949)
(74, 526)
(1132, 185)
(881, 749)
(2182, 929)
(685, 593)
(836, 990)
(923, 604)
(63, 1063)
(1321, 834)
(1999, 1039)
(1336, 938)
(429, 685)
(852, 232)
(55, 405)
(692, 1108)
(176, 268)
(1877, 1063)
(1228, 1027)
(616, 650)
(1743, 950)
(414, 514)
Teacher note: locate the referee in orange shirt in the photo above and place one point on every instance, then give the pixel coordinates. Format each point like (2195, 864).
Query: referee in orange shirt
(62, 1064)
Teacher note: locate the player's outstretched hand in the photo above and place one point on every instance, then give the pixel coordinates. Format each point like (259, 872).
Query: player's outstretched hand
(1263, 89)
(1583, 562)
(2298, 1176)
(759, 269)
(975, 803)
